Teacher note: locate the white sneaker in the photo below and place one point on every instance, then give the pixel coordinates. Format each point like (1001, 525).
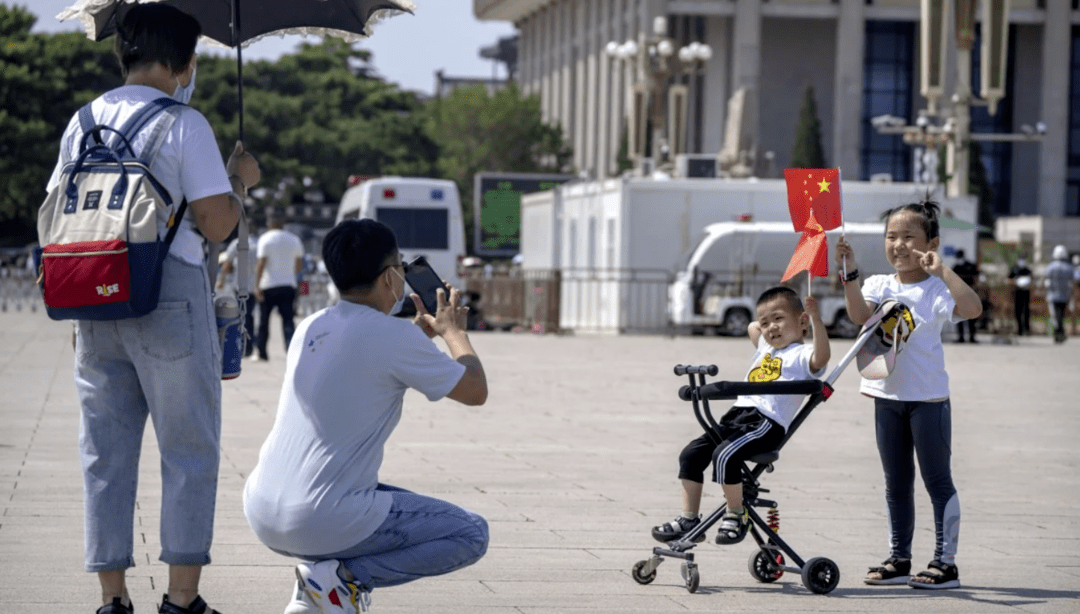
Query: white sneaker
(300, 603)
(325, 585)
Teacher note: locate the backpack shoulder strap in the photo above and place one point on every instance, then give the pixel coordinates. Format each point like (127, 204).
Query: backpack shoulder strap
(88, 125)
(160, 131)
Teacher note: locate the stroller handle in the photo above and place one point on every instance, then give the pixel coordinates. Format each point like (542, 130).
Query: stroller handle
(731, 390)
(710, 370)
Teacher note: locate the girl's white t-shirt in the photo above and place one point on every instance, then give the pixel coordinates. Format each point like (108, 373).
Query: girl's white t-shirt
(919, 373)
(188, 165)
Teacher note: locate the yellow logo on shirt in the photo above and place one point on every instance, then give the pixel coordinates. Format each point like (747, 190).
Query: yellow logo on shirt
(767, 371)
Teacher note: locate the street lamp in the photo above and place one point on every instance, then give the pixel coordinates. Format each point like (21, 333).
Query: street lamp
(651, 93)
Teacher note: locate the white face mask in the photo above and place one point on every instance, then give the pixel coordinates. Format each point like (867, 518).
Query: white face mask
(183, 94)
(400, 302)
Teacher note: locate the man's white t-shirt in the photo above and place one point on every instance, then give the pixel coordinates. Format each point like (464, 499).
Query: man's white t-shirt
(313, 490)
(188, 164)
(919, 373)
(783, 365)
(281, 249)
(232, 256)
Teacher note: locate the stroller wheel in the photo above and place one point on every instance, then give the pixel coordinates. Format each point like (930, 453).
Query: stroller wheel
(642, 578)
(763, 566)
(691, 577)
(820, 575)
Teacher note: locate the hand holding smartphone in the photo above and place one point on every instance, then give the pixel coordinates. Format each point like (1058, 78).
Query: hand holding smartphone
(424, 281)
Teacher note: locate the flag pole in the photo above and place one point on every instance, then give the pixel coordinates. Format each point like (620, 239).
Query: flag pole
(809, 283)
(843, 224)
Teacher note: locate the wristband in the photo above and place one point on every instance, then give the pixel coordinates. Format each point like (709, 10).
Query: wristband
(852, 276)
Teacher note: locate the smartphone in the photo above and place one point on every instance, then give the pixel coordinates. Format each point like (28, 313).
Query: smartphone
(424, 281)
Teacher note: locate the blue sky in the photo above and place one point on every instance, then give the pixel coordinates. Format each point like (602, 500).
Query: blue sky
(449, 33)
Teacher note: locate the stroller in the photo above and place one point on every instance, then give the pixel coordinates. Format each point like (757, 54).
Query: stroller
(875, 349)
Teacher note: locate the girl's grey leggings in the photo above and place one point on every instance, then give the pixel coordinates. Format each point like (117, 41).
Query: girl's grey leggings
(906, 429)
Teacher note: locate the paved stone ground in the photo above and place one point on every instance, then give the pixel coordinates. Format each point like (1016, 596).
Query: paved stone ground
(572, 460)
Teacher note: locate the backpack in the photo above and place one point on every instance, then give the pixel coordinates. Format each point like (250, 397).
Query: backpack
(101, 257)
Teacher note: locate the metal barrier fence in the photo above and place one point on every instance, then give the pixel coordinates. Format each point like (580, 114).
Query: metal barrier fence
(559, 301)
(19, 290)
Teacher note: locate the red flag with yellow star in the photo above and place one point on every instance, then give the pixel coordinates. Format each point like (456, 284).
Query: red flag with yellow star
(816, 189)
(812, 252)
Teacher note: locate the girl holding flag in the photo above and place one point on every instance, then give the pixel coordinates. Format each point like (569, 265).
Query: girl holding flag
(911, 404)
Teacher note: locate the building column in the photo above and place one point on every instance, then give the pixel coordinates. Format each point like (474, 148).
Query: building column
(718, 37)
(1053, 153)
(847, 97)
(547, 68)
(585, 100)
(603, 102)
(746, 62)
(566, 73)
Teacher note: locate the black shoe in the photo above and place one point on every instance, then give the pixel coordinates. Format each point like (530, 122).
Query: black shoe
(116, 607)
(892, 571)
(674, 530)
(195, 607)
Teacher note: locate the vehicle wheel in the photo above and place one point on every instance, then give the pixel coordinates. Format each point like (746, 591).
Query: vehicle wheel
(820, 575)
(690, 576)
(844, 327)
(735, 322)
(639, 577)
(763, 566)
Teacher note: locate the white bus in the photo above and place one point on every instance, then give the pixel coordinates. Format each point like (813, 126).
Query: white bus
(425, 215)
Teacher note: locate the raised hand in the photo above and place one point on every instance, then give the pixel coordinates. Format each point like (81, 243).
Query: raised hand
(845, 254)
(930, 262)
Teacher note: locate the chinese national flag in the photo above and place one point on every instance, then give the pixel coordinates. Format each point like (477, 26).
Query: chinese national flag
(817, 189)
(812, 253)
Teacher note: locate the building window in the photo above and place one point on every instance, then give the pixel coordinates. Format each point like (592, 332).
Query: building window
(1072, 189)
(996, 156)
(887, 90)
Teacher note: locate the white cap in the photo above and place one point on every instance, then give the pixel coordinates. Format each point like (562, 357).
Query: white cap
(1060, 253)
(877, 358)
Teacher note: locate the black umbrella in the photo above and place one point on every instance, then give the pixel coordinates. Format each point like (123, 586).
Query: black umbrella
(221, 21)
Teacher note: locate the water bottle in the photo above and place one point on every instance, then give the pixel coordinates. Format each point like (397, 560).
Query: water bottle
(227, 310)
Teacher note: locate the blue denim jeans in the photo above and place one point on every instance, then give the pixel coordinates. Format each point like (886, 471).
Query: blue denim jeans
(421, 537)
(165, 365)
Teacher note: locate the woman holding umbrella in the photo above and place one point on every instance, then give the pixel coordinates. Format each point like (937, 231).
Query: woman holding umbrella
(167, 364)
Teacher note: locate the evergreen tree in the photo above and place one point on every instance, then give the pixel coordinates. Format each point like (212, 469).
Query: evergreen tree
(978, 182)
(623, 162)
(807, 151)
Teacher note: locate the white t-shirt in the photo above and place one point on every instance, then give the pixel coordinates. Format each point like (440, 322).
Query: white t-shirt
(773, 365)
(348, 366)
(919, 373)
(188, 164)
(281, 249)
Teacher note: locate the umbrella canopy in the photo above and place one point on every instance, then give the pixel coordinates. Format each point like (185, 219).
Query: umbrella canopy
(254, 19)
(238, 23)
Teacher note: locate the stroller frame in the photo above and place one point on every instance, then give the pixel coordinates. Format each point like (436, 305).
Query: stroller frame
(766, 564)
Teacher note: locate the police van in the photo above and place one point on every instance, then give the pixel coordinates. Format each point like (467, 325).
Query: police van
(425, 215)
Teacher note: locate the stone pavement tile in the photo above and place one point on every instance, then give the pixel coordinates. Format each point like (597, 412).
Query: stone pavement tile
(572, 460)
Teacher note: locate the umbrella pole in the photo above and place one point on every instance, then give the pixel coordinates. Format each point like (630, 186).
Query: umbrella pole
(239, 64)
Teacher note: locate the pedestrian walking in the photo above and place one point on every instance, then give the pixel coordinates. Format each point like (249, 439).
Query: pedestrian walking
(1059, 288)
(280, 259)
(1020, 281)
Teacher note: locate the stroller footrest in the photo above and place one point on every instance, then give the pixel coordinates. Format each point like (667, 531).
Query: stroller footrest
(686, 556)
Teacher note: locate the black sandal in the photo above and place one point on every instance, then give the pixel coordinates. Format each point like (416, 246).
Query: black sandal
(733, 528)
(116, 607)
(195, 607)
(676, 529)
(892, 571)
(937, 576)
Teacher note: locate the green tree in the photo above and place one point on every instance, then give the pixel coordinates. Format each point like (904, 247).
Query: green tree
(44, 79)
(622, 157)
(479, 132)
(807, 151)
(317, 113)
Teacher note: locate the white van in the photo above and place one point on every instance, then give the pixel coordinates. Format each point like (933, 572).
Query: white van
(718, 280)
(425, 215)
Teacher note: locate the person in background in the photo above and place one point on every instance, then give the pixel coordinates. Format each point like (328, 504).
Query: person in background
(1020, 280)
(968, 272)
(280, 259)
(1059, 289)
